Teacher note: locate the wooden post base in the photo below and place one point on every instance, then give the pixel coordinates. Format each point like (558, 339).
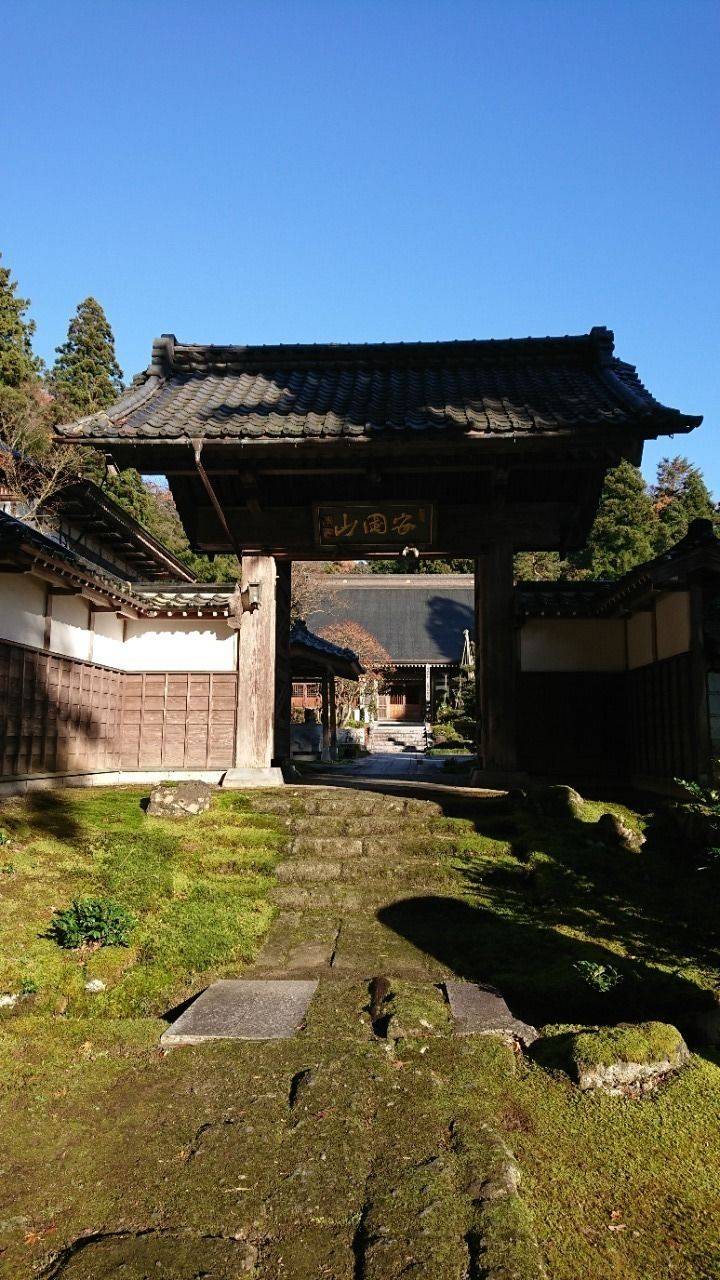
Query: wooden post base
(239, 779)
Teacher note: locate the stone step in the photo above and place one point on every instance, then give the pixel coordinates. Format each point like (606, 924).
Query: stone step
(306, 871)
(375, 848)
(358, 825)
(341, 802)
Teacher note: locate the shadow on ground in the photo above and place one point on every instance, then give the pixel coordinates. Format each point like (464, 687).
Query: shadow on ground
(534, 966)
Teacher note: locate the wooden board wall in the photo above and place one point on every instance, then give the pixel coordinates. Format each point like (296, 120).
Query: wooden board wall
(62, 715)
(178, 720)
(662, 735)
(573, 724)
(56, 714)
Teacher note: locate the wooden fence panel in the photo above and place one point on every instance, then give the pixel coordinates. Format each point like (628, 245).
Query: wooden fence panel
(57, 714)
(660, 711)
(61, 715)
(179, 720)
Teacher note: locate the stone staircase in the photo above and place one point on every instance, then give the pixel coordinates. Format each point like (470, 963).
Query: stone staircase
(398, 738)
(349, 854)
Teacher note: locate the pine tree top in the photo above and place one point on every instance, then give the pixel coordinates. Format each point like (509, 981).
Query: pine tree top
(86, 376)
(18, 364)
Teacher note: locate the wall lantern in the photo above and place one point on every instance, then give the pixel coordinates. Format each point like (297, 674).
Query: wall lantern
(250, 596)
(243, 600)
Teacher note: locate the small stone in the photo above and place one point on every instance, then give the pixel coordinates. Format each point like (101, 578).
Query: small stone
(8, 1001)
(94, 986)
(479, 1009)
(184, 800)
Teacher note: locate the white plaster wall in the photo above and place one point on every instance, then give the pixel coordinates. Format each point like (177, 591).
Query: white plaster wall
(640, 640)
(573, 644)
(22, 609)
(107, 645)
(673, 624)
(179, 644)
(69, 632)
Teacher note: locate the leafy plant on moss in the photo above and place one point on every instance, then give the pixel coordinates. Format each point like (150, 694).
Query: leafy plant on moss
(92, 920)
(709, 797)
(601, 977)
(4, 837)
(28, 987)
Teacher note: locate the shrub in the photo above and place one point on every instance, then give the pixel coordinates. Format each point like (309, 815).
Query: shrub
(602, 977)
(88, 920)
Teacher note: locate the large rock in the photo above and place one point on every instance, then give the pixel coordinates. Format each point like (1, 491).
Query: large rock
(179, 801)
(630, 1059)
(616, 834)
(559, 802)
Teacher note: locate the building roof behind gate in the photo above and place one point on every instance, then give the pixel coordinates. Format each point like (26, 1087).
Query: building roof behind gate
(417, 619)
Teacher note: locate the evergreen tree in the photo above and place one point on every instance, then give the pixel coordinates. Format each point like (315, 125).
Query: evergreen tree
(18, 364)
(86, 376)
(623, 534)
(539, 566)
(679, 496)
(154, 509)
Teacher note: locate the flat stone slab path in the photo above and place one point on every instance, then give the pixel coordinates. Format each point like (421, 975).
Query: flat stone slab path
(481, 1010)
(244, 1009)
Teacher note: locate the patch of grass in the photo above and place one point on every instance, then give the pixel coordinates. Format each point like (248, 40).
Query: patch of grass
(197, 890)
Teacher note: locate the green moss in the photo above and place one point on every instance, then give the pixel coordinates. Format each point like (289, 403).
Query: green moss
(641, 1042)
(386, 1143)
(198, 889)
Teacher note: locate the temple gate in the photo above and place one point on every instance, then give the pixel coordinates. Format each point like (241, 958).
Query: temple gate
(313, 452)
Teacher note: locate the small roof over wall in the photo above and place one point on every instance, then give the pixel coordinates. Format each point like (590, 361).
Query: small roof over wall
(25, 549)
(696, 557)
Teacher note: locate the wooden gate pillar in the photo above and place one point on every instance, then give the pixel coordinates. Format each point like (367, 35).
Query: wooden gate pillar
(283, 676)
(496, 661)
(325, 754)
(332, 697)
(255, 721)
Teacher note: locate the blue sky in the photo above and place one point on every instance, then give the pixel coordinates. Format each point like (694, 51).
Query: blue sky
(326, 170)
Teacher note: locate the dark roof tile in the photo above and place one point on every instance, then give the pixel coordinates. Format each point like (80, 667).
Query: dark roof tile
(509, 386)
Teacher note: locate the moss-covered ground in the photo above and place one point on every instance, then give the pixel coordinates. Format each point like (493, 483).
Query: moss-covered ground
(198, 889)
(341, 1152)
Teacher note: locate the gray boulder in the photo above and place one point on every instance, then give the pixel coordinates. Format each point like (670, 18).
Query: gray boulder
(181, 801)
(629, 1060)
(559, 802)
(616, 834)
